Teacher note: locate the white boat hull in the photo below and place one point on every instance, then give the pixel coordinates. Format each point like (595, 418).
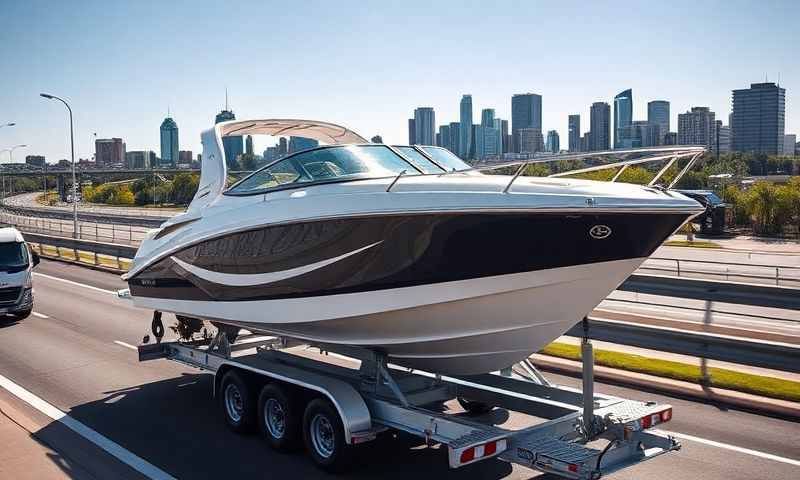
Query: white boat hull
(459, 327)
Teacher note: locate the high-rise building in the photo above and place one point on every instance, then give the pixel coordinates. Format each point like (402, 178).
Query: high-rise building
(412, 132)
(671, 138)
(465, 127)
(39, 162)
(169, 143)
(553, 144)
(502, 131)
(232, 145)
(623, 119)
(185, 157)
(377, 139)
(283, 146)
(599, 124)
(723, 138)
(425, 126)
(487, 117)
(297, 144)
(110, 151)
(530, 140)
(444, 136)
(526, 112)
(758, 119)
(789, 141)
(586, 142)
(658, 114)
(574, 126)
(140, 159)
(248, 145)
(697, 127)
(486, 142)
(455, 137)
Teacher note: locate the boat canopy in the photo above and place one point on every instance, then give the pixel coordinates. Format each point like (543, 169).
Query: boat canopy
(321, 131)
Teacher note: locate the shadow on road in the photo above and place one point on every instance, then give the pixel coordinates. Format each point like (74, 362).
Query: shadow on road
(174, 424)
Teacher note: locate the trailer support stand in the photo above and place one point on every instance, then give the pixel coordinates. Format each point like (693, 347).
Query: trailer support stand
(587, 358)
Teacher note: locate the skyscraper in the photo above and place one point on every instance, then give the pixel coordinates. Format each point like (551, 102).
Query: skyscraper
(758, 119)
(623, 118)
(574, 133)
(658, 114)
(444, 136)
(526, 112)
(412, 132)
(425, 126)
(553, 144)
(697, 127)
(645, 134)
(248, 145)
(169, 143)
(487, 117)
(301, 143)
(486, 142)
(465, 127)
(599, 123)
(530, 140)
(789, 141)
(502, 132)
(233, 146)
(455, 137)
(111, 151)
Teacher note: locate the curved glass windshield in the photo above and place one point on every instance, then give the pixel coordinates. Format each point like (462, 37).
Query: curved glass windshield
(326, 164)
(446, 158)
(419, 160)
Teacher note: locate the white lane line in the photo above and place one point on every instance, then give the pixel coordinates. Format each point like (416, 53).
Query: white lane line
(137, 463)
(101, 290)
(40, 315)
(126, 345)
(734, 448)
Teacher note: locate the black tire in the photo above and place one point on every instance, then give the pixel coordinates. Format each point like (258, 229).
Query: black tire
(278, 418)
(323, 435)
(237, 403)
(21, 315)
(473, 407)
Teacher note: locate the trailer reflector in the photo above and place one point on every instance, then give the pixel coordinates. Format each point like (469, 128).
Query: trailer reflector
(478, 452)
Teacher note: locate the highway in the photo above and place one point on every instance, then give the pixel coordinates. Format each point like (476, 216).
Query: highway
(74, 353)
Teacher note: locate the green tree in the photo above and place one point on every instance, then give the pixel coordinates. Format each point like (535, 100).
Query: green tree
(762, 206)
(184, 186)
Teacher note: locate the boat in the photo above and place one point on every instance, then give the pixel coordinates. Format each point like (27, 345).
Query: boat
(404, 250)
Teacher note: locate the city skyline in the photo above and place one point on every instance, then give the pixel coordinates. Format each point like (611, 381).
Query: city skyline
(129, 99)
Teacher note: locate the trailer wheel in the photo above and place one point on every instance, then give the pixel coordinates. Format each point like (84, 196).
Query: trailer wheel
(279, 422)
(237, 403)
(323, 435)
(474, 407)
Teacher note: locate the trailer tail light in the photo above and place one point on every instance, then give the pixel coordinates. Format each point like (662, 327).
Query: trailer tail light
(653, 419)
(461, 457)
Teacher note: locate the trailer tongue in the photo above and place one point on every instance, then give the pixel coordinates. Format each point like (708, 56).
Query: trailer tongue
(337, 397)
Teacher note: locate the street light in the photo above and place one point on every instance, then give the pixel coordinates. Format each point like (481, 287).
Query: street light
(72, 150)
(10, 151)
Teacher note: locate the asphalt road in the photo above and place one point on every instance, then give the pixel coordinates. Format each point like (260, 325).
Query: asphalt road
(163, 413)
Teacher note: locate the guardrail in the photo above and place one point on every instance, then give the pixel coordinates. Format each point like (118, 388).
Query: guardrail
(749, 272)
(102, 254)
(63, 214)
(99, 232)
(755, 353)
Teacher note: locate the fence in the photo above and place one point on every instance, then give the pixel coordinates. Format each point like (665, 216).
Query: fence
(99, 232)
(117, 257)
(778, 275)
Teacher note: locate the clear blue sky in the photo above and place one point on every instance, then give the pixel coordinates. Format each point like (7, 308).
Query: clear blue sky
(368, 64)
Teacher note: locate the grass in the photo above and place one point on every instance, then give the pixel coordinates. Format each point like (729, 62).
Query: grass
(695, 244)
(720, 377)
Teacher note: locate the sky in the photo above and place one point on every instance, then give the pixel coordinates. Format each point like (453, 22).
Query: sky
(367, 65)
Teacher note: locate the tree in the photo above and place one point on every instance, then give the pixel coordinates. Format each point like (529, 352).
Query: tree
(248, 162)
(762, 205)
(184, 186)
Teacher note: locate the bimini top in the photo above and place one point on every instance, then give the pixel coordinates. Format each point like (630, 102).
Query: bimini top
(321, 131)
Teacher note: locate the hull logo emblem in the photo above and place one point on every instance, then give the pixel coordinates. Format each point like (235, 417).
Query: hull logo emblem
(599, 232)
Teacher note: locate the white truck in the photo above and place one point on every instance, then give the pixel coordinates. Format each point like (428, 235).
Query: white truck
(16, 278)
(332, 398)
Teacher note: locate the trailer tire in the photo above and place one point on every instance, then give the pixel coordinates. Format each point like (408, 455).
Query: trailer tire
(474, 407)
(277, 418)
(237, 403)
(323, 435)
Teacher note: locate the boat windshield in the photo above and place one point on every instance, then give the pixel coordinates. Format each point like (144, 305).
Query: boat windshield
(446, 158)
(327, 164)
(419, 160)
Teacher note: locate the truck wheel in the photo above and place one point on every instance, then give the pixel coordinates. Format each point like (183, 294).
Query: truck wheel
(21, 315)
(279, 422)
(237, 403)
(473, 407)
(323, 435)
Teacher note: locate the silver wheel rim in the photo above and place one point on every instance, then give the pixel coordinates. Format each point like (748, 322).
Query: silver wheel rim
(275, 418)
(322, 436)
(233, 402)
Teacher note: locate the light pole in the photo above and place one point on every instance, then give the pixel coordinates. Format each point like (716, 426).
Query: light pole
(72, 153)
(10, 151)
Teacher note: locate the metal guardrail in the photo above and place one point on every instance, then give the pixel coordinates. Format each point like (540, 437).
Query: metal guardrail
(755, 353)
(99, 232)
(102, 254)
(83, 216)
(757, 273)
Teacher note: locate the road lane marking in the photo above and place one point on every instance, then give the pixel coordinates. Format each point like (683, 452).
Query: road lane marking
(40, 315)
(734, 448)
(126, 456)
(126, 345)
(97, 289)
